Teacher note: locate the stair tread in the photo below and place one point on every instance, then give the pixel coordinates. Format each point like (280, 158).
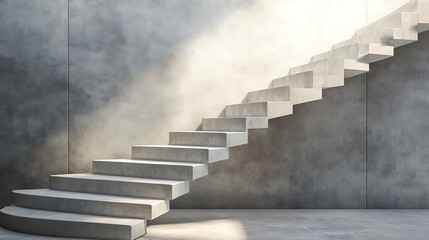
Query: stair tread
(209, 132)
(236, 118)
(68, 217)
(119, 178)
(267, 102)
(87, 196)
(182, 147)
(152, 162)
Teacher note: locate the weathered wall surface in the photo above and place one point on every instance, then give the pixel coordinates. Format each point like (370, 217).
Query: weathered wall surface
(138, 69)
(398, 129)
(33, 93)
(314, 158)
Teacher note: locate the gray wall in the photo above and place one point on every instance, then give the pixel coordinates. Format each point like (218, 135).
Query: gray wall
(33, 93)
(85, 79)
(398, 129)
(314, 158)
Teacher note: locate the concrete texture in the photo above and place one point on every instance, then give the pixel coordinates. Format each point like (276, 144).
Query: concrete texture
(71, 224)
(137, 71)
(398, 135)
(33, 93)
(314, 158)
(280, 224)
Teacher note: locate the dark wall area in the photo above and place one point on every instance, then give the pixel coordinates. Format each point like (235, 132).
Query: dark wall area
(398, 129)
(314, 158)
(33, 93)
(66, 67)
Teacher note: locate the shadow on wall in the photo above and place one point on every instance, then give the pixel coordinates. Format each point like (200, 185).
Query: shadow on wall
(111, 44)
(33, 93)
(139, 69)
(124, 80)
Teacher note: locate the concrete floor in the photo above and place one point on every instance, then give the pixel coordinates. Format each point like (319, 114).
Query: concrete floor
(281, 224)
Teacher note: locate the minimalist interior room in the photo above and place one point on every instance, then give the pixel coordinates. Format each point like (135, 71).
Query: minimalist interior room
(214, 119)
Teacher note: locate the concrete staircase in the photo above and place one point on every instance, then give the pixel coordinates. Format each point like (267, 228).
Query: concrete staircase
(115, 201)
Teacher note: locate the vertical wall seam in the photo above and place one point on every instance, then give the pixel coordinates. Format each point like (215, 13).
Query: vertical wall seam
(366, 140)
(68, 86)
(366, 126)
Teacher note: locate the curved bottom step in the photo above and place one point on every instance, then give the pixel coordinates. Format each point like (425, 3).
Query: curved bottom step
(73, 225)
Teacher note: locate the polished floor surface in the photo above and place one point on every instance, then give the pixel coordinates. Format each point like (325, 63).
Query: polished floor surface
(281, 224)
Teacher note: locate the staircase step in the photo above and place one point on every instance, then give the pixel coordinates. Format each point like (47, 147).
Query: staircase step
(72, 225)
(396, 29)
(150, 169)
(271, 109)
(119, 186)
(327, 73)
(299, 80)
(234, 124)
(87, 203)
(364, 52)
(422, 15)
(353, 68)
(178, 153)
(397, 37)
(286, 93)
(330, 73)
(208, 139)
(374, 52)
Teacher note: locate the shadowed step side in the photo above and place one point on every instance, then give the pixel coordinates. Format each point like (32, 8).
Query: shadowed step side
(74, 225)
(89, 205)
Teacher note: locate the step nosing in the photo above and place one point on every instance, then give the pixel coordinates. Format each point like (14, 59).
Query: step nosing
(151, 162)
(89, 197)
(37, 214)
(124, 179)
(180, 147)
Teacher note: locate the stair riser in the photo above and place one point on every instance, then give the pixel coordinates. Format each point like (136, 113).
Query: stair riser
(233, 125)
(72, 229)
(129, 189)
(300, 80)
(326, 73)
(180, 154)
(208, 139)
(263, 109)
(366, 53)
(294, 95)
(396, 30)
(126, 210)
(271, 94)
(170, 172)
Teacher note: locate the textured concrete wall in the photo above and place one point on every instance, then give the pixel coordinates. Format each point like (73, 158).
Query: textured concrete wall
(314, 158)
(398, 129)
(33, 93)
(138, 69)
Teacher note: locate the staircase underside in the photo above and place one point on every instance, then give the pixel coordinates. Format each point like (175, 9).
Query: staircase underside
(116, 199)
